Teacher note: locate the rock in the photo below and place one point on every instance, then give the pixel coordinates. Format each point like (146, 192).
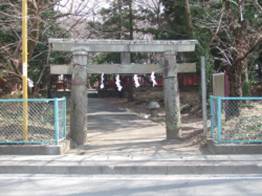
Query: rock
(185, 108)
(153, 105)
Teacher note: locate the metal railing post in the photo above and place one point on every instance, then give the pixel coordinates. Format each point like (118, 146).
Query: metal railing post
(56, 121)
(64, 132)
(212, 117)
(219, 120)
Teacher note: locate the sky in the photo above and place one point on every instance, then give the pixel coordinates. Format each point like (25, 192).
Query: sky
(76, 5)
(95, 4)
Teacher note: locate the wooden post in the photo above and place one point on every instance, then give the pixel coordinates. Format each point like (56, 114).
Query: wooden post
(79, 100)
(126, 59)
(171, 96)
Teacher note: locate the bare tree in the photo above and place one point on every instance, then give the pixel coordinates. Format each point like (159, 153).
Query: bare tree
(236, 33)
(45, 16)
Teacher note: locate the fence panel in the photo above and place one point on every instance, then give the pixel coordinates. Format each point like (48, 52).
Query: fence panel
(62, 119)
(239, 119)
(41, 121)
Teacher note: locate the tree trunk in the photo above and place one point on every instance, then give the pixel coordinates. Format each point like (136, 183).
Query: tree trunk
(235, 80)
(188, 18)
(130, 88)
(131, 28)
(120, 5)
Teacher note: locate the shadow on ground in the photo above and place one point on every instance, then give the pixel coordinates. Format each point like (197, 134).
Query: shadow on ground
(116, 131)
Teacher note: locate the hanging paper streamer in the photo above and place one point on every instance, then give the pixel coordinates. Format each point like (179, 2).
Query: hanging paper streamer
(102, 85)
(118, 83)
(136, 81)
(153, 79)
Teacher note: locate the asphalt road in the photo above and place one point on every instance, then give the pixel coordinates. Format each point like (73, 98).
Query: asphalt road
(130, 185)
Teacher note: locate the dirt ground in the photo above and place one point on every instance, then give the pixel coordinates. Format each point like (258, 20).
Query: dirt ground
(118, 128)
(247, 126)
(191, 112)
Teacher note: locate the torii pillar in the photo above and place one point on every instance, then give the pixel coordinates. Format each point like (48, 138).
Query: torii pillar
(79, 101)
(171, 96)
(125, 58)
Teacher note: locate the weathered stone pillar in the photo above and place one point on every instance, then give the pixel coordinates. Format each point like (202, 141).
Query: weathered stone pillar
(79, 102)
(126, 59)
(171, 96)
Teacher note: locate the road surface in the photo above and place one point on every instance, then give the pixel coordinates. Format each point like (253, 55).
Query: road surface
(130, 185)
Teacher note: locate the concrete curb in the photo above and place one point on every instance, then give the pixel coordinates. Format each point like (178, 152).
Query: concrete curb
(60, 149)
(214, 148)
(143, 167)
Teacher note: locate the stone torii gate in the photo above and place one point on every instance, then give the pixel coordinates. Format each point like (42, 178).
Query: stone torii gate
(82, 67)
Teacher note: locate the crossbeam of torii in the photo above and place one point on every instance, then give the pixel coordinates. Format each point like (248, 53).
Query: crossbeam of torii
(121, 68)
(80, 50)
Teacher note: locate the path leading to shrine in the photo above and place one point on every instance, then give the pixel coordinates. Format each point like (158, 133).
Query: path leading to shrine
(114, 131)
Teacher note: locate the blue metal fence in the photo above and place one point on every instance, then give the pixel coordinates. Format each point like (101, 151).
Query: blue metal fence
(236, 119)
(46, 121)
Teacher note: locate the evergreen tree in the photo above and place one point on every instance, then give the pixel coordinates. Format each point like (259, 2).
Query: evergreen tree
(178, 19)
